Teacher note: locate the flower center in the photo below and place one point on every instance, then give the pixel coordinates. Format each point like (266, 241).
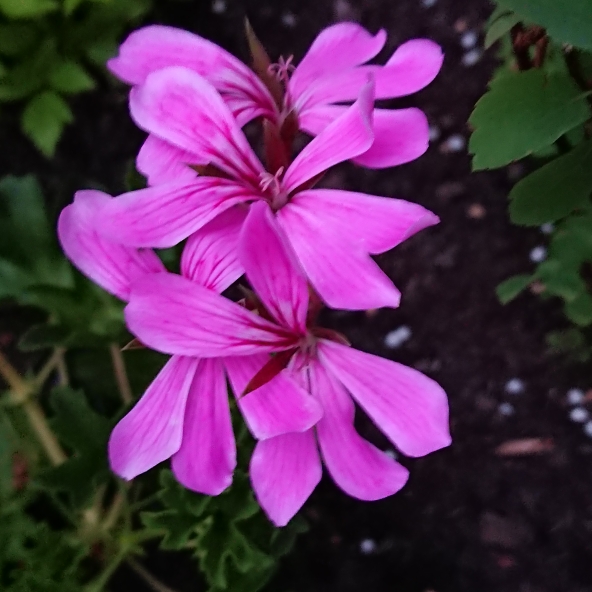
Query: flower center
(272, 186)
(282, 69)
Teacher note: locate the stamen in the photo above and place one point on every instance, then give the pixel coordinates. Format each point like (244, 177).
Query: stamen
(267, 181)
(282, 69)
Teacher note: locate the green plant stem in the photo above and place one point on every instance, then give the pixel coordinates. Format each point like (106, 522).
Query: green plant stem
(154, 583)
(20, 392)
(52, 364)
(121, 374)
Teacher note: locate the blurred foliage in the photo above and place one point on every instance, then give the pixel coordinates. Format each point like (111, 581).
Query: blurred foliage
(539, 105)
(51, 49)
(67, 522)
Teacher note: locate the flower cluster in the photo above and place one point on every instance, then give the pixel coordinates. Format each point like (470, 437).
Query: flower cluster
(299, 247)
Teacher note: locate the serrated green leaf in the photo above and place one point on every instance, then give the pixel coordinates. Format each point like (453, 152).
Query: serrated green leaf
(579, 310)
(44, 119)
(560, 279)
(499, 27)
(510, 288)
(17, 9)
(554, 190)
(523, 112)
(70, 77)
(569, 22)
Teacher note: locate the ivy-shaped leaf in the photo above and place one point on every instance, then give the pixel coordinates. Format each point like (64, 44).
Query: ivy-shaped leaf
(523, 112)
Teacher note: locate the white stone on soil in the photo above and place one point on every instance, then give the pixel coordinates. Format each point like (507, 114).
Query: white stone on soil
(575, 396)
(471, 57)
(289, 20)
(428, 3)
(367, 546)
(398, 337)
(219, 6)
(514, 386)
(579, 415)
(506, 409)
(434, 133)
(588, 429)
(469, 39)
(547, 228)
(538, 254)
(455, 143)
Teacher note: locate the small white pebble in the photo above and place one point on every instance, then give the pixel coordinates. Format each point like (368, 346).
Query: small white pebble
(588, 429)
(289, 20)
(468, 40)
(579, 415)
(434, 133)
(455, 143)
(514, 386)
(428, 3)
(538, 254)
(219, 6)
(391, 453)
(506, 409)
(367, 546)
(397, 337)
(575, 396)
(547, 228)
(471, 57)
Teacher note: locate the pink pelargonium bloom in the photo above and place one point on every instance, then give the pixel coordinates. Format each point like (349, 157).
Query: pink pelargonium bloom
(169, 314)
(333, 232)
(184, 413)
(331, 74)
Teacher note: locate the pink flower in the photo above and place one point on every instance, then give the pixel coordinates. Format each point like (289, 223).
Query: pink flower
(184, 413)
(332, 232)
(177, 316)
(332, 73)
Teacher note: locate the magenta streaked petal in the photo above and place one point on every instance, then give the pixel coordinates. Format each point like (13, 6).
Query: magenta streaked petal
(111, 265)
(164, 215)
(161, 162)
(284, 472)
(346, 137)
(156, 47)
(181, 107)
(359, 468)
(273, 270)
(339, 47)
(378, 223)
(152, 431)
(408, 407)
(210, 256)
(278, 407)
(175, 315)
(207, 456)
(340, 270)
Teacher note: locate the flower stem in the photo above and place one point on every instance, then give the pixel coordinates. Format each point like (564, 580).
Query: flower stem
(121, 374)
(155, 584)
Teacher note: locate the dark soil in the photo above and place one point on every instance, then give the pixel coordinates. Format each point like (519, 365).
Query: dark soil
(469, 520)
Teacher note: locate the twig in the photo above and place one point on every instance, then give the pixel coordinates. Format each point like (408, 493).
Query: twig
(49, 367)
(155, 584)
(120, 374)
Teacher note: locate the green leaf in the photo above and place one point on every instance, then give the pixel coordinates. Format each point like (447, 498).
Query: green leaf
(16, 9)
(571, 342)
(560, 279)
(510, 288)
(44, 119)
(86, 433)
(500, 27)
(572, 242)
(579, 310)
(17, 38)
(569, 21)
(43, 336)
(70, 6)
(523, 112)
(554, 190)
(70, 77)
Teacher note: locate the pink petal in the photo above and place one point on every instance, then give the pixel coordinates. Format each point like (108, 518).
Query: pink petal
(378, 223)
(111, 265)
(175, 315)
(161, 162)
(410, 408)
(207, 456)
(340, 270)
(401, 135)
(412, 67)
(156, 47)
(181, 107)
(164, 215)
(278, 407)
(339, 47)
(273, 270)
(152, 431)
(284, 472)
(210, 256)
(346, 137)
(359, 468)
